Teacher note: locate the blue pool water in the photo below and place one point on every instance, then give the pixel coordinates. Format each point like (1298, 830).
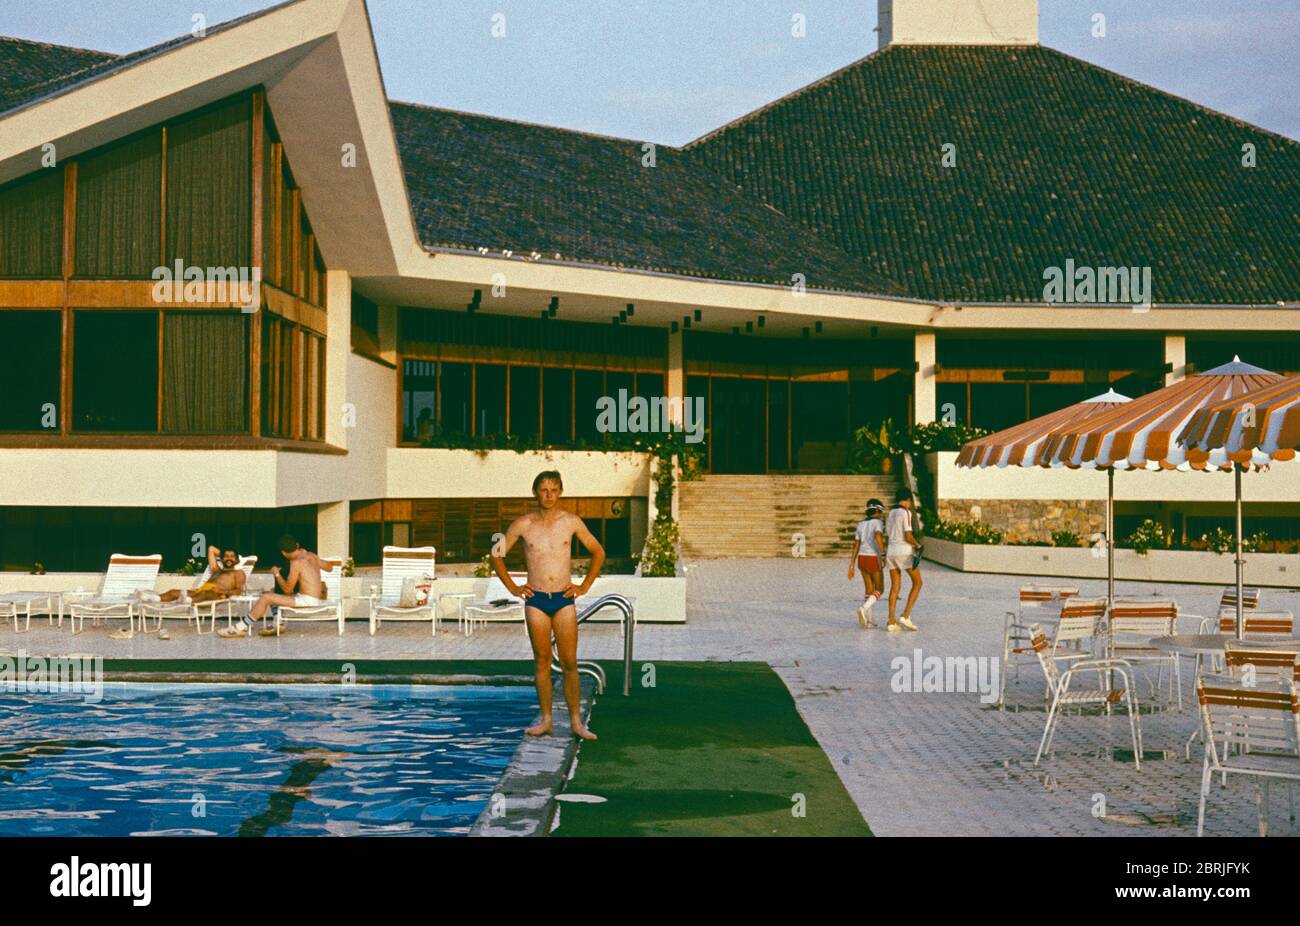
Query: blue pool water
(160, 759)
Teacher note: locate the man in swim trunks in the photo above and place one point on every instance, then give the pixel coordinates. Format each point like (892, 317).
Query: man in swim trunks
(303, 588)
(225, 578)
(549, 593)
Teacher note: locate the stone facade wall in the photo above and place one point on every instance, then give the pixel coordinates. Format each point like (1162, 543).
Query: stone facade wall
(1028, 520)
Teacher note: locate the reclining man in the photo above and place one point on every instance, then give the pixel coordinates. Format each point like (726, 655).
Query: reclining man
(304, 576)
(225, 579)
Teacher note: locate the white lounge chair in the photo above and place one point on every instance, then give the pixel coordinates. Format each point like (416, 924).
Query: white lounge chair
(118, 594)
(17, 605)
(1016, 648)
(331, 609)
(189, 610)
(1251, 729)
(497, 605)
(401, 564)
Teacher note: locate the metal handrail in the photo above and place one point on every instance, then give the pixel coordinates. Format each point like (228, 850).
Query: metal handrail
(587, 667)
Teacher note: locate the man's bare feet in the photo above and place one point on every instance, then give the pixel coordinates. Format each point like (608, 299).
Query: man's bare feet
(541, 729)
(581, 732)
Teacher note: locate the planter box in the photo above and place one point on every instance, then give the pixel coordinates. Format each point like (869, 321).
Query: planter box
(1186, 566)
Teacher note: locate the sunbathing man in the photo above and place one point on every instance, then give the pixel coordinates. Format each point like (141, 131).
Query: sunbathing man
(549, 594)
(225, 578)
(304, 575)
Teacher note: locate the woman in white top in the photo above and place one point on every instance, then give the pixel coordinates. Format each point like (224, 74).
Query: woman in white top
(901, 556)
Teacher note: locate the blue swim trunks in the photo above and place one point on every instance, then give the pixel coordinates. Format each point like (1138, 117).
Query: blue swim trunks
(549, 603)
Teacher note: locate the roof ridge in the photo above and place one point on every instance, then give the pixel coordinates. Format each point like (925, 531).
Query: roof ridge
(116, 63)
(1173, 96)
(533, 125)
(754, 113)
(88, 51)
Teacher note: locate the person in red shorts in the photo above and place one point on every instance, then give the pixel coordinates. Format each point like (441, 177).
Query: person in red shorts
(867, 558)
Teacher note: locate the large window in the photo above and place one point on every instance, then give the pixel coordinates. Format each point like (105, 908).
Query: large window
(119, 209)
(543, 404)
(29, 377)
(293, 380)
(31, 226)
(205, 373)
(209, 192)
(115, 371)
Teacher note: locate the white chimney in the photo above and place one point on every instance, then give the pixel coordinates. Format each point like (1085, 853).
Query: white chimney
(958, 22)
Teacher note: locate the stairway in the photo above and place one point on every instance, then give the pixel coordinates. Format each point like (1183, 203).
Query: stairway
(759, 516)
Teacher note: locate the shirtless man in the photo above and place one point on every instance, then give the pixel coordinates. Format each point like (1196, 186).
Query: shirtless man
(225, 578)
(549, 593)
(304, 576)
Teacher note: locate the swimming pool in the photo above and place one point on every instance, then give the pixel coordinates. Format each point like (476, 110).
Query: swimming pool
(236, 759)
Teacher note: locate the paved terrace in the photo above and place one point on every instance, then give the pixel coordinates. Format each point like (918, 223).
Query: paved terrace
(916, 764)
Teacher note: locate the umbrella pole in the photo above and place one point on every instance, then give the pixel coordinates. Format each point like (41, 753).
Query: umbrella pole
(1236, 470)
(1110, 537)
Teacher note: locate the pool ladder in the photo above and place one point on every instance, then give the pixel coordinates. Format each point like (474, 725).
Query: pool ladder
(587, 666)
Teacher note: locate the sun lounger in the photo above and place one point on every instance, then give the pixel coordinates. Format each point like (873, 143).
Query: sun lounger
(331, 609)
(192, 611)
(119, 592)
(17, 605)
(400, 565)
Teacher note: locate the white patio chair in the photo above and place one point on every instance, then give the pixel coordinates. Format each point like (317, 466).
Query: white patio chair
(17, 605)
(1227, 605)
(118, 594)
(1064, 695)
(192, 611)
(401, 564)
(1255, 625)
(1132, 626)
(331, 609)
(1251, 730)
(1016, 648)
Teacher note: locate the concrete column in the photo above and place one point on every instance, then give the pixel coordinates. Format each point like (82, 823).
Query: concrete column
(333, 529)
(924, 402)
(388, 333)
(675, 383)
(338, 349)
(1176, 353)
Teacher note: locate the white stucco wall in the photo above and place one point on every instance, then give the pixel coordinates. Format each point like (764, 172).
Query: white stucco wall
(435, 473)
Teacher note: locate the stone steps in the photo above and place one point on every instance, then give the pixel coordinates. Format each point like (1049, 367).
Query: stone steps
(764, 516)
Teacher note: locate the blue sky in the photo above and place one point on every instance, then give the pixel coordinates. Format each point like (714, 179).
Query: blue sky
(671, 70)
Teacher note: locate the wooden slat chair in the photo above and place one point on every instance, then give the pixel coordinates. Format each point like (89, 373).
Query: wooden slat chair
(188, 610)
(1277, 664)
(1131, 627)
(1256, 625)
(1227, 604)
(16, 605)
(331, 609)
(400, 564)
(1251, 730)
(1016, 648)
(119, 590)
(1063, 695)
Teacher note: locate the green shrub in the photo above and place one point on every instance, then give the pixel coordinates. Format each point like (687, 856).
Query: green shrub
(1066, 539)
(976, 532)
(660, 555)
(1150, 535)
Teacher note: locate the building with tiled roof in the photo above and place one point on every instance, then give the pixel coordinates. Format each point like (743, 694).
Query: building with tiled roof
(378, 304)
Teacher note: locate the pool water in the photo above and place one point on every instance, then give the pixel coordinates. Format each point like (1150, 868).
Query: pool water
(274, 760)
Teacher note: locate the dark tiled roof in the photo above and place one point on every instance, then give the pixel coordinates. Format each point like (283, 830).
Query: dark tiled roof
(476, 181)
(25, 64)
(16, 91)
(1056, 159)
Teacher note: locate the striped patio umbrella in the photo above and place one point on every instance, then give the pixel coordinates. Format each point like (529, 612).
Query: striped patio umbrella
(1145, 434)
(1256, 427)
(1020, 446)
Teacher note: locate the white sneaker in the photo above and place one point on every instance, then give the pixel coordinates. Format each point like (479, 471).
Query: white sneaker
(907, 623)
(863, 616)
(894, 628)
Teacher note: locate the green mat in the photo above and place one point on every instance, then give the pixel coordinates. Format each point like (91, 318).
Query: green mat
(713, 749)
